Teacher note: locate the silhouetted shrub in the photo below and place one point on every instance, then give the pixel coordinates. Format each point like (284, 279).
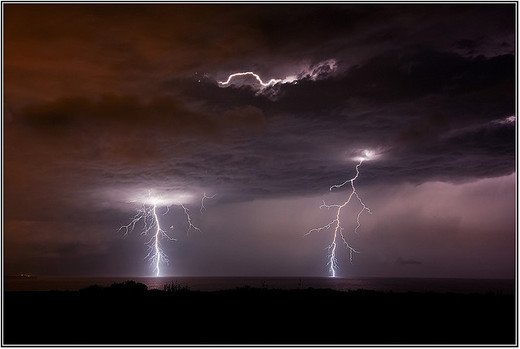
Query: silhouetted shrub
(92, 289)
(128, 287)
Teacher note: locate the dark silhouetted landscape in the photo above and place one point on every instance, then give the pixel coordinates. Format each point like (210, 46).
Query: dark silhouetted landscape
(129, 313)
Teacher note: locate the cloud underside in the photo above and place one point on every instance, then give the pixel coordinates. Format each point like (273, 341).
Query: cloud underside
(106, 100)
(427, 123)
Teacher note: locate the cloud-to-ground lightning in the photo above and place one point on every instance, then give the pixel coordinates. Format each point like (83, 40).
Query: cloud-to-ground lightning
(336, 222)
(148, 216)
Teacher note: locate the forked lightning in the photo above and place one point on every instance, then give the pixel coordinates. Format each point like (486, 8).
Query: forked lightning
(147, 215)
(336, 222)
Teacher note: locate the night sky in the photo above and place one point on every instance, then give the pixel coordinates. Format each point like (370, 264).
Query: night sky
(106, 102)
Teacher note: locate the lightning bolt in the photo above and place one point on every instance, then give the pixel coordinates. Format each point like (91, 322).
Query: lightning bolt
(202, 207)
(256, 76)
(336, 222)
(148, 216)
(188, 219)
(313, 72)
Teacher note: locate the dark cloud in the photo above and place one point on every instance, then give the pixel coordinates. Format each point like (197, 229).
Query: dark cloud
(107, 99)
(402, 261)
(130, 114)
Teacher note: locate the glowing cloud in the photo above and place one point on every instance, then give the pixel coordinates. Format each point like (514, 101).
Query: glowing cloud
(510, 120)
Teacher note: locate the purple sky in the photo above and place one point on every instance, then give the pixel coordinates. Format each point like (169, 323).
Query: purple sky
(106, 102)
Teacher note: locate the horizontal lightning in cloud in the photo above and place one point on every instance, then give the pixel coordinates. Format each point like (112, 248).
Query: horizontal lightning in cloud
(313, 73)
(250, 73)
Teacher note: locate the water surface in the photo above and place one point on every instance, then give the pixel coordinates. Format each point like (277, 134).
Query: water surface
(222, 283)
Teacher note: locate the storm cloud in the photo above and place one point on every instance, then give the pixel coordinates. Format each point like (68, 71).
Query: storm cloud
(108, 99)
